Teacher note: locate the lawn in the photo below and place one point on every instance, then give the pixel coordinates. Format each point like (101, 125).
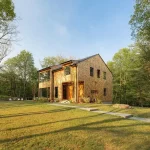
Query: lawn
(38, 126)
(136, 111)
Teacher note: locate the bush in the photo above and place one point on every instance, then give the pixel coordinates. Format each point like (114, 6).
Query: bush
(56, 100)
(98, 101)
(4, 98)
(42, 99)
(86, 99)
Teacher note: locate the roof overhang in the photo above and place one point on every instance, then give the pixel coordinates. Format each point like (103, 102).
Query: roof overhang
(44, 69)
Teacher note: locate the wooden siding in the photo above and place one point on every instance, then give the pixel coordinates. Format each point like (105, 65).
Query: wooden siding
(94, 83)
(60, 78)
(91, 86)
(44, 84)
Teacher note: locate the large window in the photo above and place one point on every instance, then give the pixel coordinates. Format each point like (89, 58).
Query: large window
(105, 92)
(67, 70)
(91, 71)
(98, 73)
(44, 92)
(56, 92)
(104, 75)
(48, 75)
(44, 76)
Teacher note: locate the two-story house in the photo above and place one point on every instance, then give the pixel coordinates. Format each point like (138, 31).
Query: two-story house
(74, 79)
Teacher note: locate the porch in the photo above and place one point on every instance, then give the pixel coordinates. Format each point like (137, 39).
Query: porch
(69, 91)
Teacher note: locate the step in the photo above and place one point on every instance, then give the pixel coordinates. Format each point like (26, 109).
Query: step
(89, 109)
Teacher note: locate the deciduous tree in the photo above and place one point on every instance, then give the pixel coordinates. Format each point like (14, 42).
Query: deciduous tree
(53, 60)
(8, 30)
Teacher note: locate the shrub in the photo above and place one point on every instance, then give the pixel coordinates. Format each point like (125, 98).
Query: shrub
(42, 99)
(98, 101)
(56, 100)
(4, 97)
(86, 99)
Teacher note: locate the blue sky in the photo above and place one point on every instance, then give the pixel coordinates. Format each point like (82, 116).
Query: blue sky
(77, 28)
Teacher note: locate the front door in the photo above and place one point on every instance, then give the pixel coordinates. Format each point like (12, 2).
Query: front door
(64, 91)
(80, 90)
(67, 91)
(70, 92)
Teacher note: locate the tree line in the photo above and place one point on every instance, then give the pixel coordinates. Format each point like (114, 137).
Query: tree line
(131, 66)
(19, 76)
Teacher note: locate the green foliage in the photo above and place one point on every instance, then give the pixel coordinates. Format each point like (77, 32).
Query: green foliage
(53, 60)
(44, 76)
(130, 80)
(140, 20)
(98, 101)
(140, 23)
(42, 99)
(4, 98)
(56, 100)
(8, 30)
(7, 10)
(19, 76)
(86, 99)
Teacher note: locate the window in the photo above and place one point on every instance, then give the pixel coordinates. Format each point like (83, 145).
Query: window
(67, 70)
(91, 71)
(98, 73)
(41, 77)
(56, 92)
(94, 91)
(44, 92)
(48, 75)
(104, 75)
(48, 92)
(104, 91)
(44, 76)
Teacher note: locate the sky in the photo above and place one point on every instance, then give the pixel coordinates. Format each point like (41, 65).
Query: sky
(76, 28)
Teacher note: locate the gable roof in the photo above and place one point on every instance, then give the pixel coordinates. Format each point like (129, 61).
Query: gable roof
(81, 60)
(73, 63)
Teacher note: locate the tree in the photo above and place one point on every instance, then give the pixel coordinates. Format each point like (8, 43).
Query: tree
(120, 67)
(53, 60)
(131, 83)
(8, 30)
(25, 66)
(140, 24)
(21, 75)
(34, 82)
(140, 21)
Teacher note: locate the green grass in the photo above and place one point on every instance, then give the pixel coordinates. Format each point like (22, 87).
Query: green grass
(136, 111)
(38, 126)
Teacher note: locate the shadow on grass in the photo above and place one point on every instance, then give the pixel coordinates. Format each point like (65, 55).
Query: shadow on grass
(87, 127)
(74, 128)
(143, 115)
(46, 123)
(34, 113)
